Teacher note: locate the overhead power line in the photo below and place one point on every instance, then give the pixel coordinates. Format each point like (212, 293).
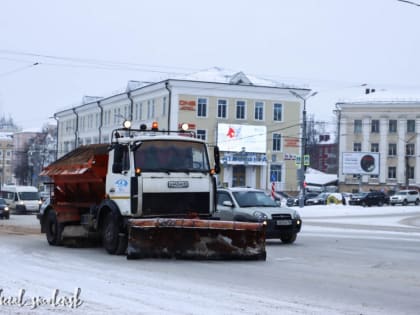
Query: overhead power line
(98, 63)
(410, 2)
(18, 69)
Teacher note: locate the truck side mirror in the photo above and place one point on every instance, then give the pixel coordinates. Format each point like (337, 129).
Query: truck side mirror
(216, 159)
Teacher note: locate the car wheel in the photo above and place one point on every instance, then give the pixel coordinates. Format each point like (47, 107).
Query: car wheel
(364, 204)
(53, 229)
(417, 202)
(380, 203)
(405, 202)
(288, 238)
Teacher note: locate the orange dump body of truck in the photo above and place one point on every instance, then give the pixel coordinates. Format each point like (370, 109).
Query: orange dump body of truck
(79, 180)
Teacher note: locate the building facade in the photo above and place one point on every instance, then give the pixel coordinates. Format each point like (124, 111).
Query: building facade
(6, 155)
(255, 123)
(385, 132)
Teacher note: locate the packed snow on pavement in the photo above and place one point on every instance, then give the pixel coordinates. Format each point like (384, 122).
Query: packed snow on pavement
(52, 276)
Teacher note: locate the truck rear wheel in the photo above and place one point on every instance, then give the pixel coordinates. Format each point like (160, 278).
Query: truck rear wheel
(53, 229)
(113, 241)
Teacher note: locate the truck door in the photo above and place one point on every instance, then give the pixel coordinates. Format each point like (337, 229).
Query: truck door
(119, 179)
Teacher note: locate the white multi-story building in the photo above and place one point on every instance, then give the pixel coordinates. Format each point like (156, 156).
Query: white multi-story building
(389, 129)
(264, 118)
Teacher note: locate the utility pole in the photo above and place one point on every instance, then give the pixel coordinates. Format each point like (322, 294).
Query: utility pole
(303, 148)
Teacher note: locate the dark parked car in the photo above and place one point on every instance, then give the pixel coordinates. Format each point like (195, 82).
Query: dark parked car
(372, 198)
(294, 201)
(253, 205)
(321, 199)
(4, 209)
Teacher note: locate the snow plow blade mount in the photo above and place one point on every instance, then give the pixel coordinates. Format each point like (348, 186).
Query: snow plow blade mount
(196, 239)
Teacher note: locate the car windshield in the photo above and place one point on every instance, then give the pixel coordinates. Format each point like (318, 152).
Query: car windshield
(254, 199)
(359, 195)
(401, 193)
(2, 202)
(322, 195)
(29, 195)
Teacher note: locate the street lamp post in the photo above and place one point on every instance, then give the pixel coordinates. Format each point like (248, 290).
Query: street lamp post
(303, 148)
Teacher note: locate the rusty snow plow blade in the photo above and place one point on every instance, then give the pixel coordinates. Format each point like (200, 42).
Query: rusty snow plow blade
(196, 239)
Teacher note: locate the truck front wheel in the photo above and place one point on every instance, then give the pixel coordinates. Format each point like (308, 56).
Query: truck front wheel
(53, 229)
(113, 241)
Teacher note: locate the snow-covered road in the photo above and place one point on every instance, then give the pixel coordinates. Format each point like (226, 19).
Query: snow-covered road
(114, 285)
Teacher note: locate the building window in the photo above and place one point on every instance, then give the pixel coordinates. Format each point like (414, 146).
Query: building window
(392, 125)
(240, 109)
(222, 109)
(392, 149)
(201, 134)
(357, 126)
(202, 107)
(374, 147)
(127, 112)
(409, 149)
(375, 126)
(410, 172)
(259, 111)
(117, 115)
(392, 172)
(276, 142)
(150, 109)
(357, 147)
(276, 172)
(164, 106)
(277, 112)
(411, 125)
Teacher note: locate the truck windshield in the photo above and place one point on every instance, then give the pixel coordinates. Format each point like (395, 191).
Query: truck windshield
(171, 156)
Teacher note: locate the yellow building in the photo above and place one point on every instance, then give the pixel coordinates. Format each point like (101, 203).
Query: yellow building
(6, 155)
(255, 122)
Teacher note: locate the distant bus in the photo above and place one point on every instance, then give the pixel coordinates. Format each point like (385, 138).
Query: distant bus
(21, 199)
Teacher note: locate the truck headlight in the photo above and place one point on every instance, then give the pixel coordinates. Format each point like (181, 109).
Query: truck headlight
(261, 216)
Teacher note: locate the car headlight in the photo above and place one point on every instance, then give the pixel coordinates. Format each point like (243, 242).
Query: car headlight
(261, 216)
(295, 215)
(6, 208)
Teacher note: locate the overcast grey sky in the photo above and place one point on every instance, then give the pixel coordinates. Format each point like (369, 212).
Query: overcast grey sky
(54, 52)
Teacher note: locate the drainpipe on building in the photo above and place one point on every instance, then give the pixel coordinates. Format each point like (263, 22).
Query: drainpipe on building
(338, 113)
(169, 104)
(76, 131)
(56, 145)
(131, 106)
(100, 121)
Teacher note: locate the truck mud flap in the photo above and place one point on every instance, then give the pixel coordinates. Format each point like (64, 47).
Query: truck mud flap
(195, 239)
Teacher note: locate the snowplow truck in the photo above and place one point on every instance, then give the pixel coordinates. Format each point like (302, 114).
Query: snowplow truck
(148, 193)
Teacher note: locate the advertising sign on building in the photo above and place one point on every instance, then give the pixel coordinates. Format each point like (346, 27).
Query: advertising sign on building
(361, 163)
(236, 138)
